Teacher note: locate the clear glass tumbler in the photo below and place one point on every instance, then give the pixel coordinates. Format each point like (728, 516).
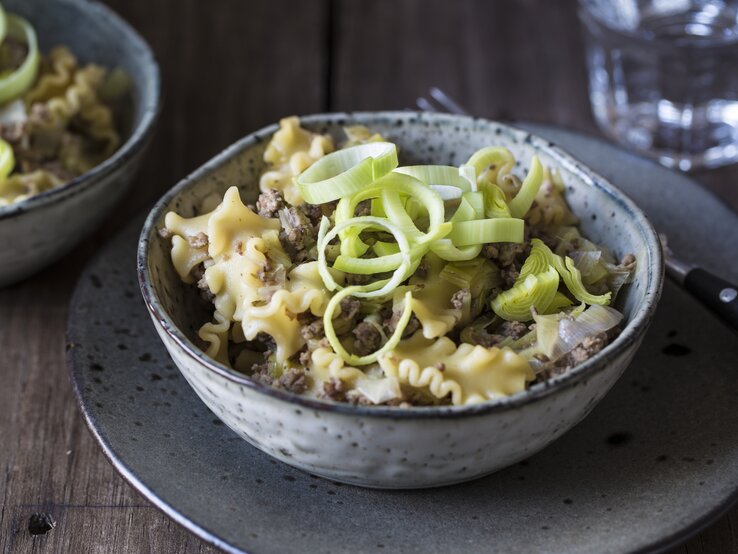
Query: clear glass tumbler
(663, 77)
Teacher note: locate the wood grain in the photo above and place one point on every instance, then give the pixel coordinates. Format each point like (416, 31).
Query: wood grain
(229, 67)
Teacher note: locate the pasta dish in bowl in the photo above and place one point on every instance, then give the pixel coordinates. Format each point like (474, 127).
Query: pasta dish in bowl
(79, 97)
(345, 266)
(481, 304)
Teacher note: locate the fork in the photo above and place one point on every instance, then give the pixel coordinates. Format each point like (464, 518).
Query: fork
(715, 293)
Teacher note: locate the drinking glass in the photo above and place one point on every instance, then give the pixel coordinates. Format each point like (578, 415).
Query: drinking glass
(663, 77)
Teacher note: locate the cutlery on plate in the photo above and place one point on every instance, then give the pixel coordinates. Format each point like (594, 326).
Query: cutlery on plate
(715, 293)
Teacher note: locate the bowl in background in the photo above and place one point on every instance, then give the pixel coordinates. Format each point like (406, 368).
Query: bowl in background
(36, 232)
(390, 447)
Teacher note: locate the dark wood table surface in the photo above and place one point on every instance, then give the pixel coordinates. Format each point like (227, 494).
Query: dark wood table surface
(230, 67)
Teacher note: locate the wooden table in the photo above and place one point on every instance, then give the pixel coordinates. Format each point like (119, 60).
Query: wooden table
(230, 67)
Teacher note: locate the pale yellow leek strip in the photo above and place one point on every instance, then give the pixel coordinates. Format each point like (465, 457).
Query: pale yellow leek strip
(492, 159)
(523, 200)
(335, 342)
(534, 292)
(19, 81)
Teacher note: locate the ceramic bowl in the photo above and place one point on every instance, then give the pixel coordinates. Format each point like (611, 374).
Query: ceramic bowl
(38, 231)
(394, 447)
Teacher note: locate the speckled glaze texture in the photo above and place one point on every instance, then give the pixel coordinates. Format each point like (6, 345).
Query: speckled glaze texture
(391, 447)
(36, 232)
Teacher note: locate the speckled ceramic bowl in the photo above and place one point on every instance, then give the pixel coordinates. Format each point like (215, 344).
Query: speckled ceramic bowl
(394, 447)
(38, 231)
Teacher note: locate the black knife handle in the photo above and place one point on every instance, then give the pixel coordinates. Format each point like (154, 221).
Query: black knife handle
(715, 293)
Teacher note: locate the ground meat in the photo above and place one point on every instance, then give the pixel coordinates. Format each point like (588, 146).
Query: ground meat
(313, 212)
(416, 397)
(265, 342)
(297, 234)
(459, 298)
(198, 274)
(261, 374)
(349, 308)
(358, 279)
(165, 233)
(269, 203)
(293, 380)
(205, 292)
(509, 257)
(363, 208)
(305, 358)
(200, 240)
(509, 275)
(513, 329)
(485, 339)
(628, 262)
(543, 234)
(13, 131)
(313, 330)
(509, 329)
(272, 275)
(390, 323)
(582, 352)
(423, 269)
(368, 338)
(335, 389)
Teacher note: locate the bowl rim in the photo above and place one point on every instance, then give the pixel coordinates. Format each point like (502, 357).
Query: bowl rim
(137, 139)
(631, 335)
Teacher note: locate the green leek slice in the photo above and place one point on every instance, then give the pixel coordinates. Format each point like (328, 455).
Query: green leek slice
(378, 288)
(496, 156)
(523, 200)
(447, 180)
(534, 292)
(398, 184)
(7, 160)
(3, 23)
(483, 231)
(446, 250)
(476, 200)
(559, 302)
(541, 257)
(465, 212)
(346, 171)
(495, 204)
(335, 342)
(572, 278)
(19, 81)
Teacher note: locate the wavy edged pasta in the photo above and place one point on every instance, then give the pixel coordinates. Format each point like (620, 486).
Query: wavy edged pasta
(67, 92)
(402, 322)
(229, 242)
(469, 374)
(290, 152)
(60, 129)
(303, 292)
(325, 365)
(431, 303)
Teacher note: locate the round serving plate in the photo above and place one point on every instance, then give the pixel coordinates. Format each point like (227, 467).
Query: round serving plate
(655, 462)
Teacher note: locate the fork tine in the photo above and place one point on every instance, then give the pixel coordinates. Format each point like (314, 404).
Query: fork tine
(446, 101)
(425, 105)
